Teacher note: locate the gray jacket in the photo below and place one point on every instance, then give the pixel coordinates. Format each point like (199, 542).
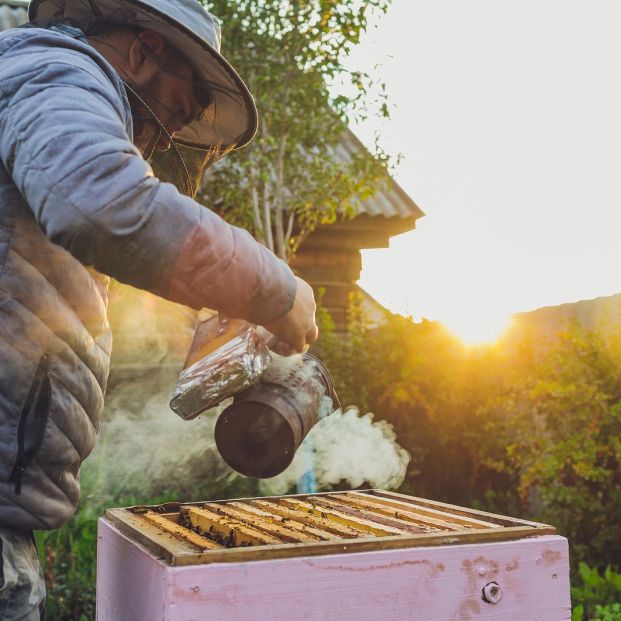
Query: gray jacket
(75, 194)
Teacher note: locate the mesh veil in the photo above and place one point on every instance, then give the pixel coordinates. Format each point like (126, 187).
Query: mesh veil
(228, 123)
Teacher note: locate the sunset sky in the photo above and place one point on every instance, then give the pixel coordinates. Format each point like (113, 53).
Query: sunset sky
(508, 117)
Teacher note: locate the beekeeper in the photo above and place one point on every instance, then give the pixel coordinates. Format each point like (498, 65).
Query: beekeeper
(87, 93)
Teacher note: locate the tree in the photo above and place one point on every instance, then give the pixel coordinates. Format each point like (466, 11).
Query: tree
(565, 417)
(288, 181)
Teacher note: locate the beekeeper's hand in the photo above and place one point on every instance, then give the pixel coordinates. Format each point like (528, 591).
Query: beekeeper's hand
(297, 329)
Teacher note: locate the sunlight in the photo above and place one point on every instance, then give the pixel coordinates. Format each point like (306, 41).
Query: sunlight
(478, 330)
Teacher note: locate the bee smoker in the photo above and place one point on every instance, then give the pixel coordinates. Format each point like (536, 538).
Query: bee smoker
(276, 400)
(259, 433)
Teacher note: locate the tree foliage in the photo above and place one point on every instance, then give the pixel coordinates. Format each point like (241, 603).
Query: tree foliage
(528, 427)
(289, 179)
(565, 413)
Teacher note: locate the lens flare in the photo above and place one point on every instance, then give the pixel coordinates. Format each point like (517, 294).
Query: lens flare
(478, 329)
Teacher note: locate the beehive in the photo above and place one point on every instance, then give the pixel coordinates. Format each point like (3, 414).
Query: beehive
(345, 555)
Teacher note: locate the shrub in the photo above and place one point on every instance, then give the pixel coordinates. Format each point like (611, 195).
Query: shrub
(596, 596)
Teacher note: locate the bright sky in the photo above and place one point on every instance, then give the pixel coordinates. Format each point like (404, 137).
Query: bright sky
(508, 117)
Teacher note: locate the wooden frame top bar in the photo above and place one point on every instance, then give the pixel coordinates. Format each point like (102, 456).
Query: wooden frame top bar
(309, 525)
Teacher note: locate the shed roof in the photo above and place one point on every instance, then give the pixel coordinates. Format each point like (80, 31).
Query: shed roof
(13, 13)
(391, 200)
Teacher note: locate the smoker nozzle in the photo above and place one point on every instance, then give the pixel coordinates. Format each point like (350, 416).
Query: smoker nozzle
(260, 432)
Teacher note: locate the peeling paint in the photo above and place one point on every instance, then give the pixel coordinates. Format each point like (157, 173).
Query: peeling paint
(469, 608)
(513, 565)
(435, 567)
(549, 557)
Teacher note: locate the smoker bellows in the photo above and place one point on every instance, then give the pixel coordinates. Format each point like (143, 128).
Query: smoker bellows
(368, 556)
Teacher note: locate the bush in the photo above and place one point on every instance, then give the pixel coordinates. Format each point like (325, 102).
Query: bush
(596, 596)
(529, 427)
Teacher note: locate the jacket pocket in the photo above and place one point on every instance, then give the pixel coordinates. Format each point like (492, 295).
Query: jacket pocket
(32, 421)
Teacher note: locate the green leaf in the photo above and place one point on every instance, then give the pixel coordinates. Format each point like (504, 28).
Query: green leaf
(577, 614)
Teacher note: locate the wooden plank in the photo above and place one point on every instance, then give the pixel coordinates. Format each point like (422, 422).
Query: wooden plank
(431, 524)
(161, 543)
(443, 584)
(340, 240)
(462, 520)
(310, 520)
(371, 493)
(228, 531)
(359, 523)
(361, 544)
(177, 553)
(500, 520)
(288, 523)
(270, 527)
(377, 518)
(200, 542)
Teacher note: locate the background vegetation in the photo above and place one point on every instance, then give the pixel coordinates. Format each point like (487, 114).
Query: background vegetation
(529, 427)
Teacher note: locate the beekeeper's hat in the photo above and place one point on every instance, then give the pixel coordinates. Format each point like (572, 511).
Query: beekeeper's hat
(231, 121)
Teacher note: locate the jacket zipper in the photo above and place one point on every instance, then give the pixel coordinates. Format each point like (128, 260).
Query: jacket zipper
(37, 404)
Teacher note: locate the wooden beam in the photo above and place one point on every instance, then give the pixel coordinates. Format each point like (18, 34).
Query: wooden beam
(347, 521)
(341, 531)
(226, 530)
(464, 521)
(342, 240)
(185, 534)
(363, 524)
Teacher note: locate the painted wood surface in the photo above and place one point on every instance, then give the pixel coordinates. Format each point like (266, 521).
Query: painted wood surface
(440, 583)
(131, 584)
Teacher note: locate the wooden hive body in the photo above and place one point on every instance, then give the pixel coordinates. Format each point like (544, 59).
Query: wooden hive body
(372, 556)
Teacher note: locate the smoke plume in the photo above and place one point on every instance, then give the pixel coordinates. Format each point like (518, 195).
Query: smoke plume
(346, 448)
(145, 450)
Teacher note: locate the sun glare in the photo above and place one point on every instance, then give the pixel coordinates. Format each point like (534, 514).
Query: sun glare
(478, 330)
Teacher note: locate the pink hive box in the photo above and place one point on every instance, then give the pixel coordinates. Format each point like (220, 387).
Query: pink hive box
(344, 556)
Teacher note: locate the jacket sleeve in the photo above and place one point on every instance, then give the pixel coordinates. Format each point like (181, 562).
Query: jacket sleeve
(64, 141)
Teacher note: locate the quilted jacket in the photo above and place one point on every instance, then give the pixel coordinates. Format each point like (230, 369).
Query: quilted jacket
(77, 200)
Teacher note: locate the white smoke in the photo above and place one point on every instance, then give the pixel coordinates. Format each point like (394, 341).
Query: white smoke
(346, 447)
(145, 449)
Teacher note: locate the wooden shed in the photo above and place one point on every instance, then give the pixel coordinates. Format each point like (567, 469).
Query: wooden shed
(330, 257)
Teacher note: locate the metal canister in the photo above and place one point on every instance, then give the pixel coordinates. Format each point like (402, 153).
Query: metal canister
(259, 433)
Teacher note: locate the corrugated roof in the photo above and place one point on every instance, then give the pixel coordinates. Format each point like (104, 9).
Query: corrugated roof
(391, 201)
(13, 13)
